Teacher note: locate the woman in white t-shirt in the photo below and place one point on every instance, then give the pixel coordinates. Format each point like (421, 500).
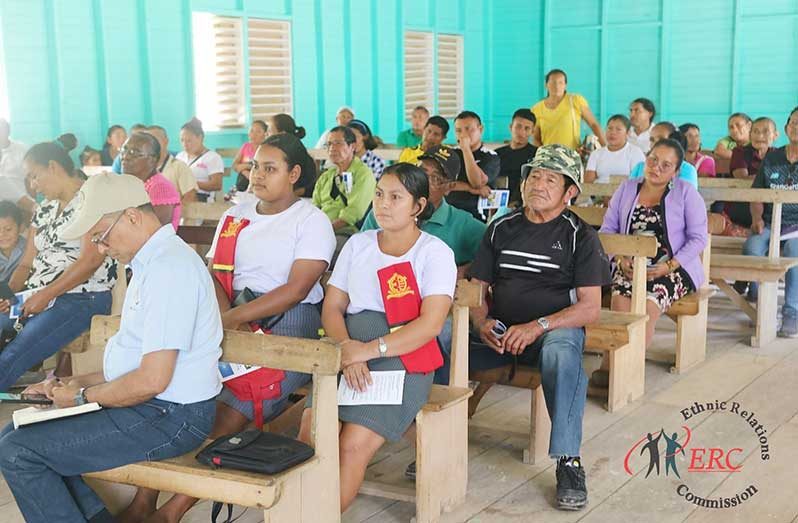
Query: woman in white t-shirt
(354, 314)
(279, 256)
(618, 157)
(207, 165)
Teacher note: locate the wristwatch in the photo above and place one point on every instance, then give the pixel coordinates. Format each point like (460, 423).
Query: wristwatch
(80, 397)
(544, 323)
(382, 346)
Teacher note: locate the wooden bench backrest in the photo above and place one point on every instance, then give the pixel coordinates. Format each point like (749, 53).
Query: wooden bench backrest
(278, 352)
(703, 182)
(201, 211)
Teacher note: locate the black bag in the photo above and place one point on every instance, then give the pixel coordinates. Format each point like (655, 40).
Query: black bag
(246, 296)
(255, 451)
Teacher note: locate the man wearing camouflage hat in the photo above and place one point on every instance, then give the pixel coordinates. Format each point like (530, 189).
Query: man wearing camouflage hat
(545, 268)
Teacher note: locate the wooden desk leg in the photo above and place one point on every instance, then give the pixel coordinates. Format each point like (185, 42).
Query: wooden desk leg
(691, 339)
(766, 314)
(539, 429)
(627, 370)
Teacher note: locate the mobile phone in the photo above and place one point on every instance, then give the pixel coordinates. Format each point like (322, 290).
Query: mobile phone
(498, 329)
(6, 293)
(33, 399)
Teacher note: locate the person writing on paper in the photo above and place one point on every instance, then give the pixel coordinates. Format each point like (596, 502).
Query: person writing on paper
(278, 247)
(160, 372)
(544, 268)
(398, 275)
(73, 272)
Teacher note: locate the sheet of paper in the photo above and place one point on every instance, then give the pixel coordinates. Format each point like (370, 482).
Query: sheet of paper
(387, 388)
(16, 310)
(498, 198)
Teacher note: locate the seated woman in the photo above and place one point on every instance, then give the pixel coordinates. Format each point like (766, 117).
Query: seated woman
(284, 124)
(344, 191)
(280, 250)
(140, 157)
(398, 269)
(671, 210)
(703, 163)
(739, 134)
(12, 244)
(114, 139)
(619, 156)
(364, 147)
(207, 165)
(242, 163)
(72, 272)
(663, 131)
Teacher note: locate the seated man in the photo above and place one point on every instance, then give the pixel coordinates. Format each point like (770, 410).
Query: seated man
(435, 131)
(479, 166)
(518, 152)
(412, 137)
(160, 371)
(545, 268)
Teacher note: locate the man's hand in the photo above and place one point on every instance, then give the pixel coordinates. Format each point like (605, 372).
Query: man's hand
(353, 351)
(519, 337)
(357, 376)
(465, 144)
(37, 303)
(63, 395)
(488, 337)
(757, 225)
(483, 191)
(657, 271)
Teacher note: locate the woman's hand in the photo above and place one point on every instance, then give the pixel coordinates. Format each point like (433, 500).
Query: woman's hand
(353, 351)
(37, 303)
(357, 376)
(5, 306)
(657, 271)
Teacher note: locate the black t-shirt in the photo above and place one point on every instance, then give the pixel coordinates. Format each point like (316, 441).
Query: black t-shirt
(488, 161)
(511, 162)
(534, 268)
(776, 172)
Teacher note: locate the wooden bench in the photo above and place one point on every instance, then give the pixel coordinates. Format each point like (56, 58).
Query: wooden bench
(689, 313)
(306, 493)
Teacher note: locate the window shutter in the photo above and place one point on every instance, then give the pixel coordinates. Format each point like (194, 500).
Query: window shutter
(450, 75)
(269, 43)
(418, 68)
(218, 72)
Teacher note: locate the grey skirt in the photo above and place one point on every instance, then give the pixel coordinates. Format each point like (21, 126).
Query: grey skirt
(389, 421)
(302, 321)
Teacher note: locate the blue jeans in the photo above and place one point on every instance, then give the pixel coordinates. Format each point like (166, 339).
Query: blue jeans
(42, 463)
(558, 354)
(757, 245)
(45, 334)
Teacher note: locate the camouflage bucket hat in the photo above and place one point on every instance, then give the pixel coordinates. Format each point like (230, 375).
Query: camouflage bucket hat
(559, 159)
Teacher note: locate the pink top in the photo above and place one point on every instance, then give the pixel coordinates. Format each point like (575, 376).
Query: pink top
(162, 192)
(247, 152)
(704, 164)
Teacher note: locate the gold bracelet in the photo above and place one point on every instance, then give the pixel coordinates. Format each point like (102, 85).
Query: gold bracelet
(670, 265)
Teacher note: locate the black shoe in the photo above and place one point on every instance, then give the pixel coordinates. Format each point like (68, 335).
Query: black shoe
(410, 471)
(571, 487)
(740, 286)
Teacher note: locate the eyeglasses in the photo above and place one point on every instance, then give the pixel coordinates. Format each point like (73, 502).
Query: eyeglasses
(330, 145)
(653, 161)
(133, 153)
(100, 240)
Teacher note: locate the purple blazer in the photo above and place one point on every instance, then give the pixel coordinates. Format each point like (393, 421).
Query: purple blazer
(685, 221)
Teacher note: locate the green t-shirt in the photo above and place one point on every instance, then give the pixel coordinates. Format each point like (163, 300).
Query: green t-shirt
(357, 200)
(456, 227)
(408, 139)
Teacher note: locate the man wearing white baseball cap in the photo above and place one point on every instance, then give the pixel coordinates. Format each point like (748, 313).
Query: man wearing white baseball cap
(160, 374)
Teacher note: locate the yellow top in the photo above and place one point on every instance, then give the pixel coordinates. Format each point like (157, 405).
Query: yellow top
(561, 124)
(411, 154)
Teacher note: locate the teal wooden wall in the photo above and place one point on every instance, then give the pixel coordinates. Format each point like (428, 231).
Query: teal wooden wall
(698, 61)
(81, 65)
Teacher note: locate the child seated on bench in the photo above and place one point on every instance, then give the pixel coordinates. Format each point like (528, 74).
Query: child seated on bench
(395, 276)
(12, 244)
(779, 170)
(277, 247)
(671, 210)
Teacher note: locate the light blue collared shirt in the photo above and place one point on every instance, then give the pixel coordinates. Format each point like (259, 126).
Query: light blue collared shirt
(170, 305)
(7, 265)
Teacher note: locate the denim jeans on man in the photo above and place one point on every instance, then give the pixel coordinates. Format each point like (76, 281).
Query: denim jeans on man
(757, 245)
(558, 354)
(42, 463)
(45, 334)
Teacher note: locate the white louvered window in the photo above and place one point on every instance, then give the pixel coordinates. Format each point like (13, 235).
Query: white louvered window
(218, 70)
(419, 77)
(270, 90)
(450, 75)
